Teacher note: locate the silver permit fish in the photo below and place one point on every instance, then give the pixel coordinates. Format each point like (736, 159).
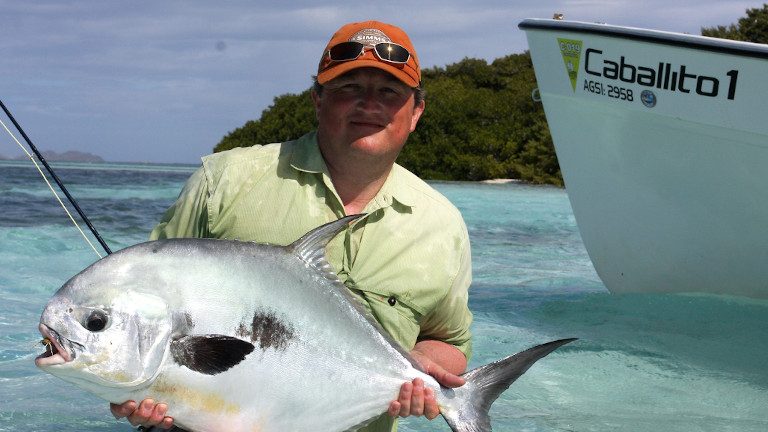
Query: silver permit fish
(244, 336)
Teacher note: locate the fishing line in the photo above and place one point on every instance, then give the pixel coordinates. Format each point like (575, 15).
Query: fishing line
(58, 182)
(55, 194)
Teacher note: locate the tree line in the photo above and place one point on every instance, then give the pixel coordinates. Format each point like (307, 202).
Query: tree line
(481, 121)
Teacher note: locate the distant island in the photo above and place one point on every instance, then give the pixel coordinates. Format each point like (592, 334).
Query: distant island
(67, 156)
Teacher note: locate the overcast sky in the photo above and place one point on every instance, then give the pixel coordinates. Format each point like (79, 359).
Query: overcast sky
(163, 81)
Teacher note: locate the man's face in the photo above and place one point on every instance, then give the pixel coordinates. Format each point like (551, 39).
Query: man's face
(365, 113)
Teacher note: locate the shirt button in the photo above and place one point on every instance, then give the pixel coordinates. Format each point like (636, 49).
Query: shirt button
(392, 301)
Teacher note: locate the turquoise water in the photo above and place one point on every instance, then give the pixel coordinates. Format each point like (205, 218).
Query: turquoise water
(642, 363)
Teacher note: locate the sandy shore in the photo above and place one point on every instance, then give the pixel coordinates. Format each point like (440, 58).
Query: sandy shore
(500, 181)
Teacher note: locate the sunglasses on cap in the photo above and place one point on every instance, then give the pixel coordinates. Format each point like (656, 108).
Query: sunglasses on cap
(385, 51)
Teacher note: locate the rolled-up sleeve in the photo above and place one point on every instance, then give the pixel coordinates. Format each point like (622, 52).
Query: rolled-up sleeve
(188, 216)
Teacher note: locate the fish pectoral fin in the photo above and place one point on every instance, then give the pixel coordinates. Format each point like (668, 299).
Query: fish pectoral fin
(209, 354)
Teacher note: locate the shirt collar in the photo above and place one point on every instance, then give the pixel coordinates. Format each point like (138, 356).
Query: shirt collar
(396, 187)
(306, 157)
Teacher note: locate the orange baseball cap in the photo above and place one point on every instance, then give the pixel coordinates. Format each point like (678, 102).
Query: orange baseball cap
(370, 33)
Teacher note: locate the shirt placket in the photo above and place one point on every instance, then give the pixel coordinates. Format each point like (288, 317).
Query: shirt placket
(353, 237)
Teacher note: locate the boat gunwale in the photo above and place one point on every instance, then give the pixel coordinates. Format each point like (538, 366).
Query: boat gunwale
(724, 46)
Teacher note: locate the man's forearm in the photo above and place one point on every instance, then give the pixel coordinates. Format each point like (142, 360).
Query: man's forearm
(446, 355)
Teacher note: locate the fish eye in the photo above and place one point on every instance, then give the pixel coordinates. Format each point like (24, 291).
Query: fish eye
(96, 321)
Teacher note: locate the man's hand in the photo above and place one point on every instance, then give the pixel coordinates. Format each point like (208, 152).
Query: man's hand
(441, 361)
(146, 414)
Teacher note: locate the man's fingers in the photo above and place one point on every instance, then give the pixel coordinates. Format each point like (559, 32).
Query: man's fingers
(158, 414)
(417, 398)
(394, 409)
(445, 378)
(405, 399)
(451, 381)
(122, 410)
(143, 413)
(431, 409)
(167, 423)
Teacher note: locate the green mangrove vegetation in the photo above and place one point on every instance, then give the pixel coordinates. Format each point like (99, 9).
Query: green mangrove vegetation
(751, 28)
(480, 123)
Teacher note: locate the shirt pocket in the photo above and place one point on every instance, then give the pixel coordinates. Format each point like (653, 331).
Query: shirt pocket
(397, 318)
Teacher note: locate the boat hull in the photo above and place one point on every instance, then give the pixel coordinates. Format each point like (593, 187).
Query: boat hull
(662, 140)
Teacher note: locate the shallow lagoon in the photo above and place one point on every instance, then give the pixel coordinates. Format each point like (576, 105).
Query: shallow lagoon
(643, 362)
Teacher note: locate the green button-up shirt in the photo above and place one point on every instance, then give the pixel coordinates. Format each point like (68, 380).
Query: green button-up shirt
(407, 260)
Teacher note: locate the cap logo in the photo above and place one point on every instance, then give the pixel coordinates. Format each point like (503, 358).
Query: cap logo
(370, 37)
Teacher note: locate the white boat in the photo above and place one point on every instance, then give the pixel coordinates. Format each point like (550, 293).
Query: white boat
(662, 140)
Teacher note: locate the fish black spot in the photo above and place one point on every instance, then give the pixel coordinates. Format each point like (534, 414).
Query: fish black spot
(268, 330)
(243, 331)
(188, 320)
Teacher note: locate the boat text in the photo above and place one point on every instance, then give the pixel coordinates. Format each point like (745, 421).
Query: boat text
(663, 76)
(609, 90)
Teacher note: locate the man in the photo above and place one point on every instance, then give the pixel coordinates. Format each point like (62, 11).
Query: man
(407, 260)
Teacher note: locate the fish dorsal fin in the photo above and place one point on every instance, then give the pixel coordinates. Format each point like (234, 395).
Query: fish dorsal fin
(311, 246)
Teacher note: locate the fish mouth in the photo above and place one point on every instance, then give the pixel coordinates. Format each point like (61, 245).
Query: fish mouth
(55, 351)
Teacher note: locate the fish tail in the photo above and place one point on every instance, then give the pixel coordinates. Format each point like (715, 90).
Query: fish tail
(486, 383)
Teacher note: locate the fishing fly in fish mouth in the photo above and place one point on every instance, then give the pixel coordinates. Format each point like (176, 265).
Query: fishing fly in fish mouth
(50, 349)
(55, 351)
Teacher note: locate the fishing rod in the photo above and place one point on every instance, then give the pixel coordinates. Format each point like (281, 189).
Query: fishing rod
(56, 179)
